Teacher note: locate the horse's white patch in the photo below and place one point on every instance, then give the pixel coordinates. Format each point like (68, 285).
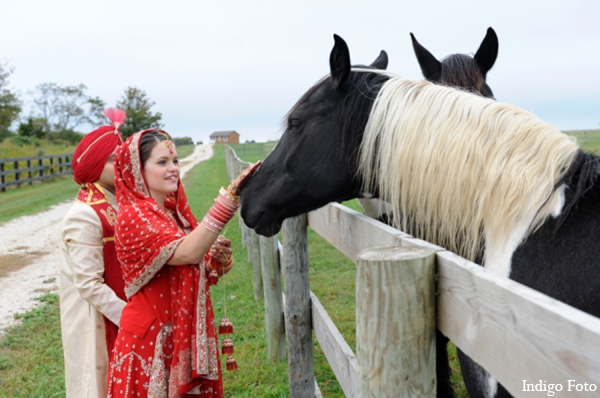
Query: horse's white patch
(559, 202)
(493, 386)
(498, 255)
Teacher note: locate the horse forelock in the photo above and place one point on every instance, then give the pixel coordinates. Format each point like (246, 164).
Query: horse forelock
(459, 169)
(461, 70)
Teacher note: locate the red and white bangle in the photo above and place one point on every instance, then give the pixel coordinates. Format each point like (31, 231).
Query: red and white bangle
(221, 212)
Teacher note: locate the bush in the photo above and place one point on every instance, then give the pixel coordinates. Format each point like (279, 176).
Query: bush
(20, 140)
(65, 136)
(4, 133)
(180, 141)
(33, 127)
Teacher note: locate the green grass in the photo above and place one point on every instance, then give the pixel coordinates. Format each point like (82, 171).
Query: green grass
(40, 333)
(185, 150)
(30, 199)
(253, 151)
(332, 280)
(588, 139)
(37, 197)
(10, 150)
(257, 376)
(31, 358)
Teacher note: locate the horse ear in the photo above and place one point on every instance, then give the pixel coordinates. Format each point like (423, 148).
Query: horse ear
(430, 66)
(339, 62)
(381, 62)
(488, 51)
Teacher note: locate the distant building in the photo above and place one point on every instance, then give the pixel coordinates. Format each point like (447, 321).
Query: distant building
(225, 137)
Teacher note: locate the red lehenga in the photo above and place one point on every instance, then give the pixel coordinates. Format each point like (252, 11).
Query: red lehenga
(167, 344)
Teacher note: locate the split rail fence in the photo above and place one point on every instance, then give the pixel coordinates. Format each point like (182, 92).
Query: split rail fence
(26, 170)
(517, 334)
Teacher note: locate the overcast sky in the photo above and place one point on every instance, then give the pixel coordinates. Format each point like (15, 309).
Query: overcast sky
(240, 65)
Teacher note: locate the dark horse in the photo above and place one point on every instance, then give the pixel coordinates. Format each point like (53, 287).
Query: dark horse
(457, 70)
(461, 70)
(486, 180)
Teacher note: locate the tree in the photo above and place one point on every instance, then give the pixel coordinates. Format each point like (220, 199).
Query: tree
(33, 127)
(10, 104)
(136, 105)
(95, 116)
(66, 107)
(183, 141)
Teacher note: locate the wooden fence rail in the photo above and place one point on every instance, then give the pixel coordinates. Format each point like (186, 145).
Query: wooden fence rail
(514, 332)
(26, 170)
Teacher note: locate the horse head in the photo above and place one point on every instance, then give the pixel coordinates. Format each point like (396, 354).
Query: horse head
(461, 70)
(314, 162)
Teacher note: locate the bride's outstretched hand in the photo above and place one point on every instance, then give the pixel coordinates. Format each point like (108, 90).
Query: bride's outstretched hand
(240, 182)
(227, 202)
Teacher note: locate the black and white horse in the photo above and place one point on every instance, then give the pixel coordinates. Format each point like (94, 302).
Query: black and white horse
(486, 180)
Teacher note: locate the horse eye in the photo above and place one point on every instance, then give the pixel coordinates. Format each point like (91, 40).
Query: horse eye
(294, 124)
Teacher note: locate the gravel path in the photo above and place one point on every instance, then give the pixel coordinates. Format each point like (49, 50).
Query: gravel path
(40, 234)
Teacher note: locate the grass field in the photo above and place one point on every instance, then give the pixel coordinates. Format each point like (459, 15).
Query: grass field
(588, 139)
(30, 199)
(31, 355)
(24, 350)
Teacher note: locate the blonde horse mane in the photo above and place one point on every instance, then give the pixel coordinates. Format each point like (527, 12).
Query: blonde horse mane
(459, 169)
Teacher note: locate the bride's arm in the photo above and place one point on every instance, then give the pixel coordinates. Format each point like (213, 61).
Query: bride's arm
(192, 248)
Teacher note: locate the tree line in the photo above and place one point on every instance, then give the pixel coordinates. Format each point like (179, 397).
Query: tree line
(57, 111)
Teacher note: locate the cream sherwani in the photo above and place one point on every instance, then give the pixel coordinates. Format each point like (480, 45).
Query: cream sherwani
(84, 299)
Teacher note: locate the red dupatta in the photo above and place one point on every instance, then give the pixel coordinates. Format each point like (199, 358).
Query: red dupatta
(146, 237)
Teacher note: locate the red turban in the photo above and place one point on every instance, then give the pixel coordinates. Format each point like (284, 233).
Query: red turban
(94, 149)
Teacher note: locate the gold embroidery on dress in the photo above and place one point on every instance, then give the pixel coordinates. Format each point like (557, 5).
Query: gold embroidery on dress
(150, 270)
(159, 379)
(126, 361)
(110, 214)
(134, 155)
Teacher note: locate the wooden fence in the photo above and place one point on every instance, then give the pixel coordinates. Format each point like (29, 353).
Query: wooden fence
(26, 170)
(518, 335)
(253, 148)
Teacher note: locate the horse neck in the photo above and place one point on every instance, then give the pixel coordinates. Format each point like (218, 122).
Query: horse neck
(458, 169)
(581, 177)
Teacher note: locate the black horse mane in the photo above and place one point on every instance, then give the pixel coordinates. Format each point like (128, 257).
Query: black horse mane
(580, 178)
(355, 109)
(462, 71)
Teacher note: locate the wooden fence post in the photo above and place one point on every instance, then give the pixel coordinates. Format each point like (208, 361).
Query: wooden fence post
(254, 253)
(29, 171)
(297, 314)
(2, 180)
(274, 319)
(17, 174)
(395, 322)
